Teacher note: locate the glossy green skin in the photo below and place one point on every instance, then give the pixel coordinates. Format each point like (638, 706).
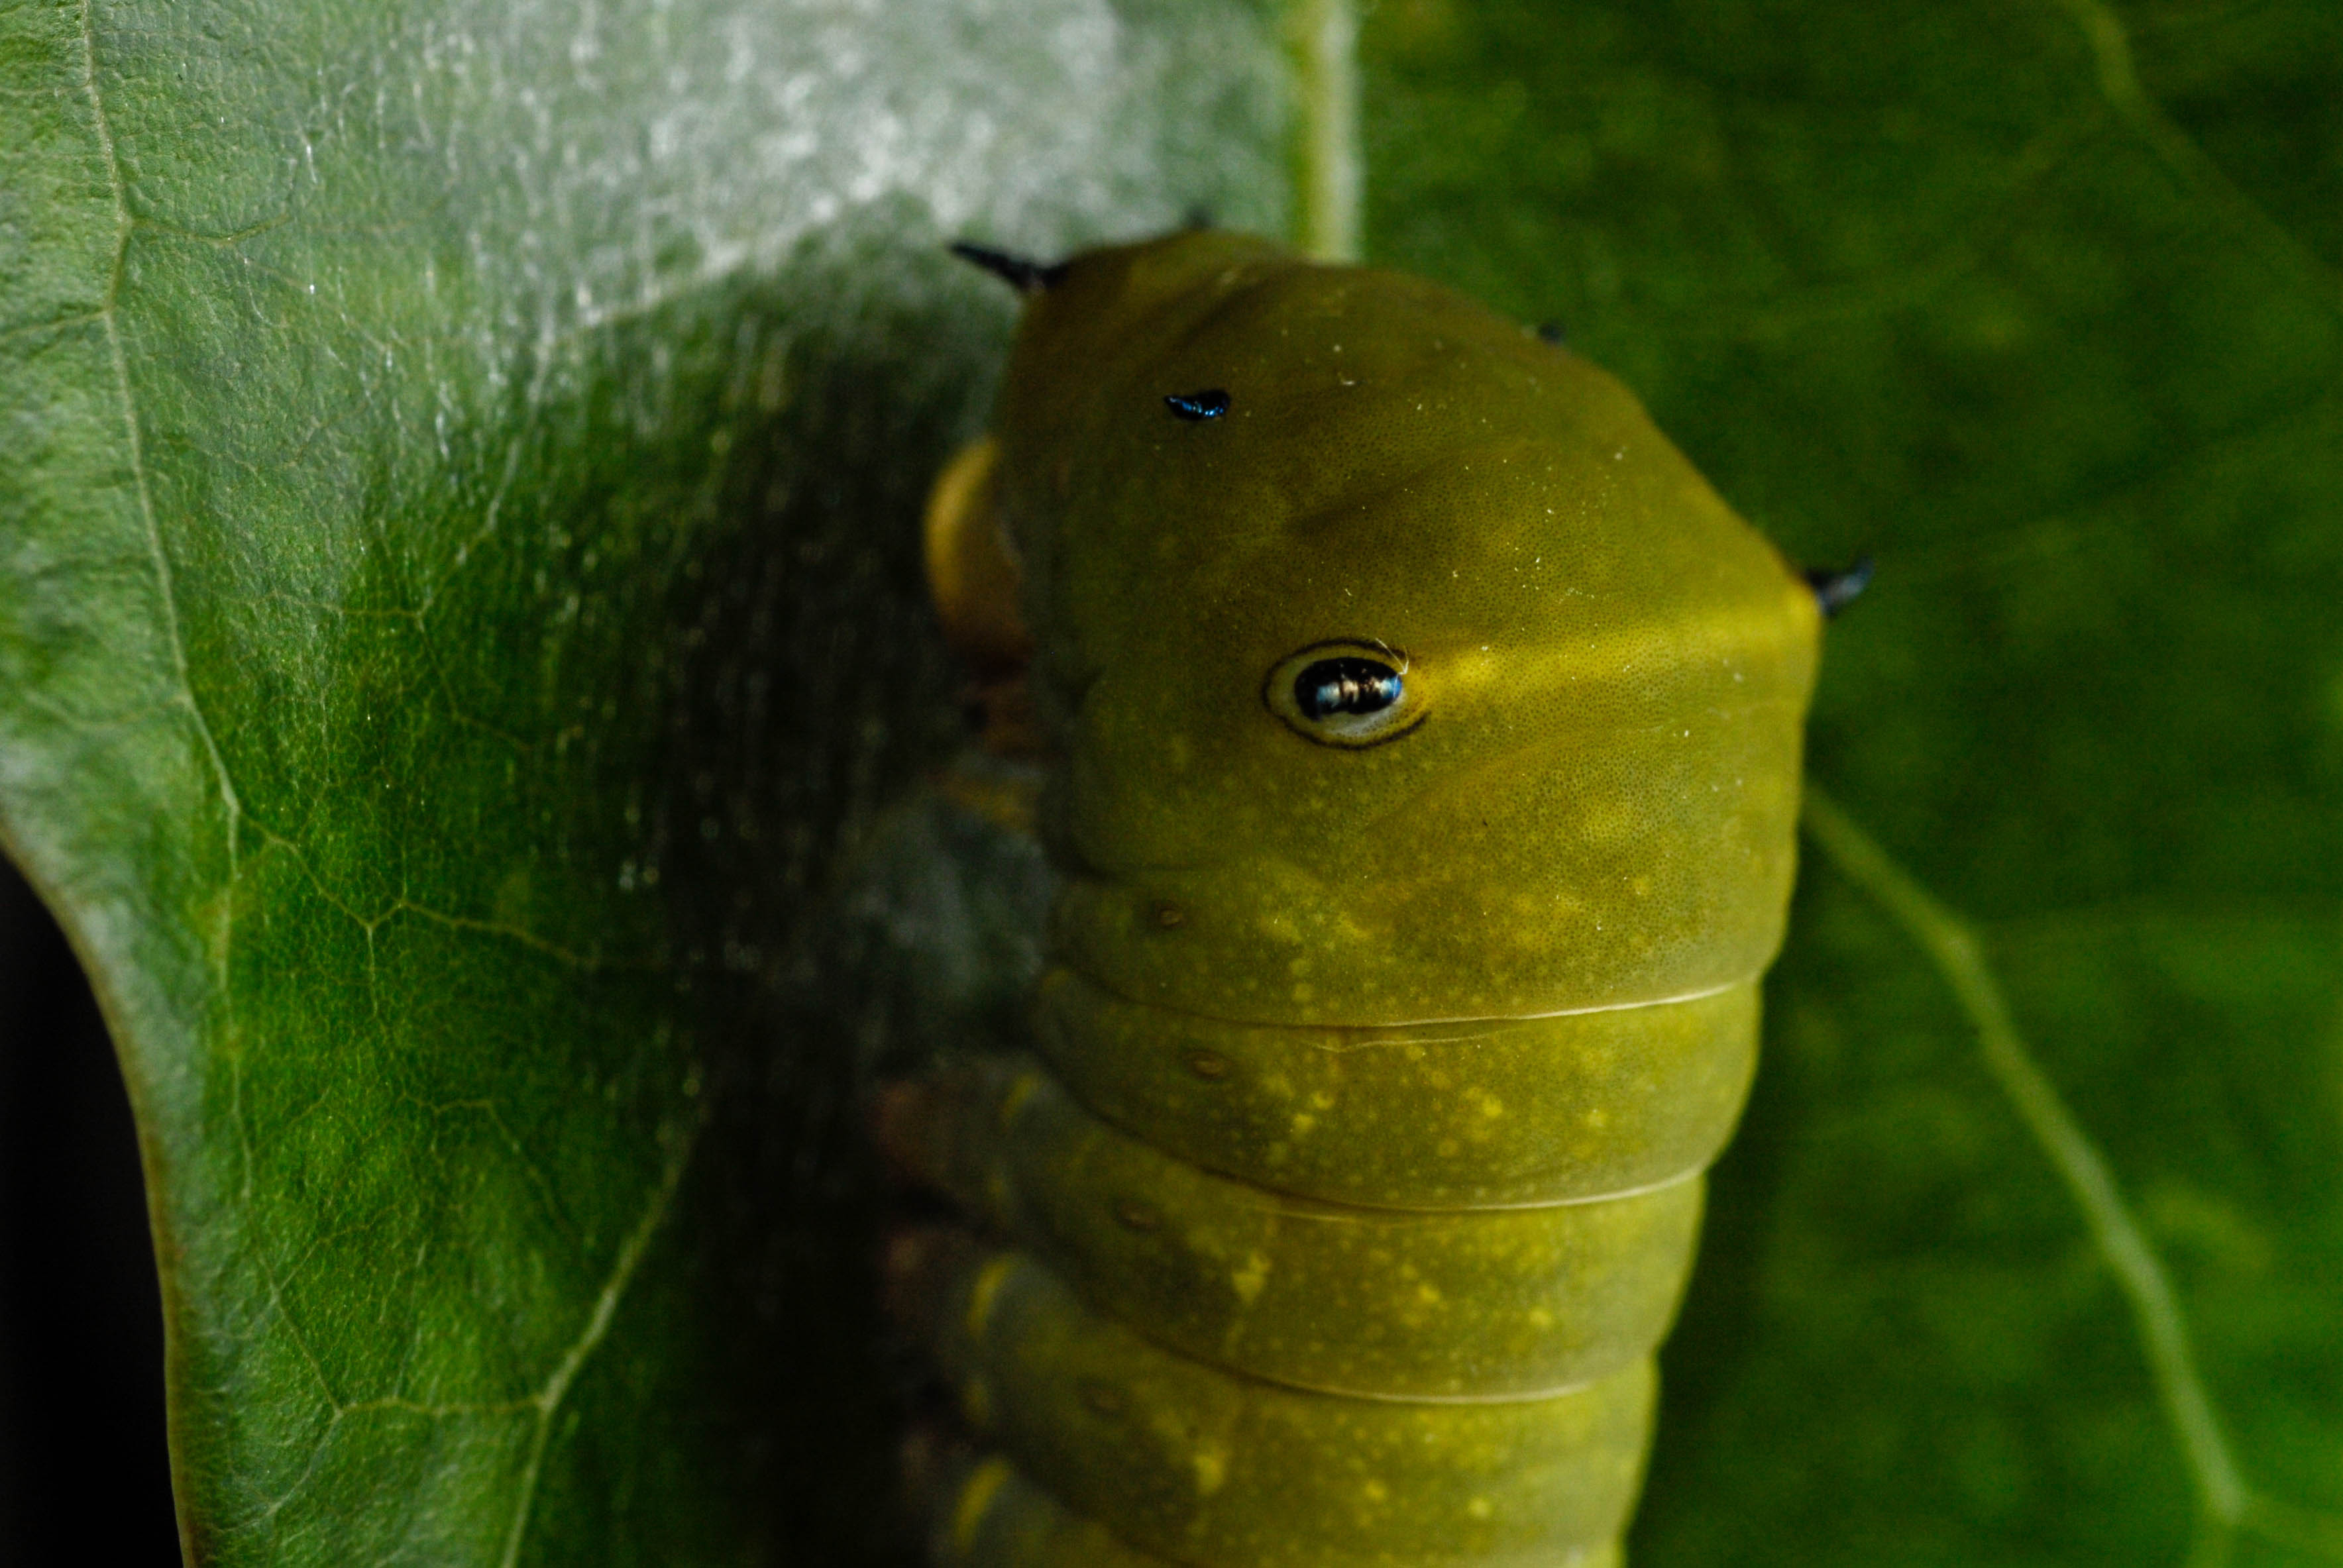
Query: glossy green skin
(1356, 1178)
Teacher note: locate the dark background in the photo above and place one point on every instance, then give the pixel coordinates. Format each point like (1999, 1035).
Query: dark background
(84, 1472)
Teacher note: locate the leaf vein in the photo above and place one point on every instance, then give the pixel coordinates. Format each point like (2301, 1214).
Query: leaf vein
(2190, 163)
(2226, 1503)
(597, 1325)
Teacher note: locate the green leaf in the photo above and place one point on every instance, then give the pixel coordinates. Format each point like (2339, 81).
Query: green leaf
(2042, 306)
(457, 586)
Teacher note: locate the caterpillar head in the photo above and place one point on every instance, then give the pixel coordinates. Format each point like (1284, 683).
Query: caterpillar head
(1397, 668)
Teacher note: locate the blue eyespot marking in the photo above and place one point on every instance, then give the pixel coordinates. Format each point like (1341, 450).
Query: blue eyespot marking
(1209, 404)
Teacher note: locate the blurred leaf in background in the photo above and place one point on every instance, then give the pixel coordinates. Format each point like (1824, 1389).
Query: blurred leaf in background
(457, 598)
(2042, 304)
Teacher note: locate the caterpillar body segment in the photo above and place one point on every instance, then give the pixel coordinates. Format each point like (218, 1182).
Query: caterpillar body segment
(1385, 1303)
(1185, 1463)
(1000, 1517)
(1481, 1114)
(1423, 740)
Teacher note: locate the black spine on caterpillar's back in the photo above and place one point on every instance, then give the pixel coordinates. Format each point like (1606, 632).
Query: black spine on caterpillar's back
(1424, 739)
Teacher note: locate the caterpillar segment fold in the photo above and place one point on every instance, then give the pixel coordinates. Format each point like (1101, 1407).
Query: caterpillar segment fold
(1462, 1305)
(1183, 1462)
(1423, 743)
(1475, 1114)
(1000, 1520)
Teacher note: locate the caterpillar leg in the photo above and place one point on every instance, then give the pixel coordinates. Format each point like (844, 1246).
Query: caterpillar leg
(998, 1519)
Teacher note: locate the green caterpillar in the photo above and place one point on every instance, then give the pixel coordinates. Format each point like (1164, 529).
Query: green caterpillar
(1423, 740)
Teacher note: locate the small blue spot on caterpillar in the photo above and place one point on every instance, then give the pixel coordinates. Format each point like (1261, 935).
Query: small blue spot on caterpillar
(1209, 404)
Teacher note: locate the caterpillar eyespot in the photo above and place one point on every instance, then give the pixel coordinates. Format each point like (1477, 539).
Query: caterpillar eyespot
(1349, 694)
(1334, 1209)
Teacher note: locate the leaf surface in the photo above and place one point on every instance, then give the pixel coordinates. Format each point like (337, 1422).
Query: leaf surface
(2040, 304)
(457, 586)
